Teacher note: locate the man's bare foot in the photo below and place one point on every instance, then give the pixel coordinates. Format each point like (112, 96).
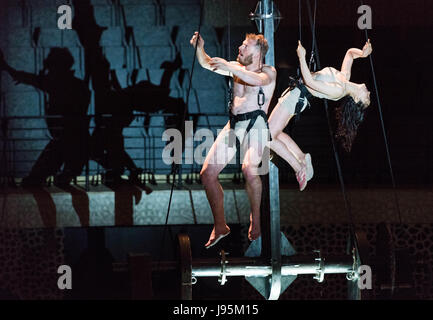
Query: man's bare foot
(254, 230)
(216, 235)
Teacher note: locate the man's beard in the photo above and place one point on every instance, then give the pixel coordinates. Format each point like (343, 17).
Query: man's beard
(245, 61)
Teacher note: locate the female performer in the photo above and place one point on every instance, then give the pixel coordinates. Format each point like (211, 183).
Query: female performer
(328, 83)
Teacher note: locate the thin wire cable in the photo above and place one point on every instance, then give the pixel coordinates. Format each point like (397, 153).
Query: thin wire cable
(352, 228)
(379, 106)
(388, 156)
(298, 70)
(300, 19)
(312, 60)
(176, 167)
(229, 56)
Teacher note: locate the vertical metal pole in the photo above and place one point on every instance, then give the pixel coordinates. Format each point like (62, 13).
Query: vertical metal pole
(273, 227)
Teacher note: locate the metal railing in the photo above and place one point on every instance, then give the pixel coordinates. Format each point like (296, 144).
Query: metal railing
(20, 146)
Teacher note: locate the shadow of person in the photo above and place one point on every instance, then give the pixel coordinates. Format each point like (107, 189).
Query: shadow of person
(124, 198)
(46, 206)
(67, 121)
(112, 114)
(114, 105)
(148, 97)
(80, 203)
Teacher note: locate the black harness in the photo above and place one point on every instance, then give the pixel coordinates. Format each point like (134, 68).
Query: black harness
(252, 115)
(305, 94)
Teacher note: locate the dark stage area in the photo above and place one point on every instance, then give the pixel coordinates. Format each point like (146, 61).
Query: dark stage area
(89, 97)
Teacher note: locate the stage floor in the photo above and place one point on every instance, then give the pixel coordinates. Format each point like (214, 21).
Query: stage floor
(130, 205)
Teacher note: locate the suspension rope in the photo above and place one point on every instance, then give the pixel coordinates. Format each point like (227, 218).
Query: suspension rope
(313, 44)
(229, 56)
(337, 160)
(312, 60)
(176, 167)
(298, 70)
(300, 19)
(379, 106)
(391, 172)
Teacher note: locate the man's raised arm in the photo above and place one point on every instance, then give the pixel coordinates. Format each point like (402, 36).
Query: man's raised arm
(202, 56)
(263, 78)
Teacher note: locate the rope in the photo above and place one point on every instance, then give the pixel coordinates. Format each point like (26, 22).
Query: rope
(300, 19)
(230, 85)
(388, 156)
(312, 60)
(337, 160)
(299, 30)
(176, 167)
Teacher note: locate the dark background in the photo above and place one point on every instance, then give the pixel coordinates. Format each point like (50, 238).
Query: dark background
(402, 50)
(401, 38)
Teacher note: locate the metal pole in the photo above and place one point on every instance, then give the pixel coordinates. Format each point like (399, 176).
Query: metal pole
(274, 197)
(258, 267)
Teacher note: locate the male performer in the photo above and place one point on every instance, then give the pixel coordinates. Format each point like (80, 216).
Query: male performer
(253, 87)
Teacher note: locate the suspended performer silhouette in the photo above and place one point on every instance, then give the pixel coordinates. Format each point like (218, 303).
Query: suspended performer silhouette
(114, 105)
(327, 83)
(67, 121)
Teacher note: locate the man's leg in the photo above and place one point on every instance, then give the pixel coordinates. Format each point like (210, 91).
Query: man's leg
(253, 186)
(254, 145)
(219, 155)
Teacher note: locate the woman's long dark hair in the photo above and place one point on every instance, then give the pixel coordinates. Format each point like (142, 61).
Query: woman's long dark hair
(349, 116)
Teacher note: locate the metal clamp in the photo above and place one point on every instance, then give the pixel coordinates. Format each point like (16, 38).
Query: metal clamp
(265, 10)
(353, 274)
(320, 274)
(257, 16)
(223, 274)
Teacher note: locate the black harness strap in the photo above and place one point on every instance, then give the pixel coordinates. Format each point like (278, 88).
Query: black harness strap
(304, 95)
(253, 115)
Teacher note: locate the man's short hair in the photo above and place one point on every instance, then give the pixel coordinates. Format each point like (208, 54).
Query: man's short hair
(261, 42)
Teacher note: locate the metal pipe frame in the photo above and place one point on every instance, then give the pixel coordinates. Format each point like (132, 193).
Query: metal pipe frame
(257, 267)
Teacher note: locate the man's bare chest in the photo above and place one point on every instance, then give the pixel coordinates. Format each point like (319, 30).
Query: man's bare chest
(242, 89)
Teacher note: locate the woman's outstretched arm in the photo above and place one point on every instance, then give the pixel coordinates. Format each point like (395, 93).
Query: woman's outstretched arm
(353, 54)
(331, 89)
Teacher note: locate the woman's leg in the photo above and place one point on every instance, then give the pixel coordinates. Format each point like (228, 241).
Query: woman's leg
(281, 149)
(292, 146)
(281, 142)
(284, 146)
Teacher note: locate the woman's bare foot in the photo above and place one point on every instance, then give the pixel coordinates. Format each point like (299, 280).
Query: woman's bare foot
(309, 167)
(301, 176)
(216, 235)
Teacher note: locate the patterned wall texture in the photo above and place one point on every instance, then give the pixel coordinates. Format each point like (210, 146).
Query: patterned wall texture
(311, 220)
